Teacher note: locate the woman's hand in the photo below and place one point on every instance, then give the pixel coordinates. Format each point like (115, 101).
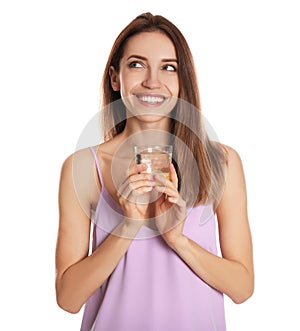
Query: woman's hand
(170, 208)
(134, 193)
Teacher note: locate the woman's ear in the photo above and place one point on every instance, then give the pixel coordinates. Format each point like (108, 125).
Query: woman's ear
(114, 78)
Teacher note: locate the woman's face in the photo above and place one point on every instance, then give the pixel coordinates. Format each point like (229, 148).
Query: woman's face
(148, 78)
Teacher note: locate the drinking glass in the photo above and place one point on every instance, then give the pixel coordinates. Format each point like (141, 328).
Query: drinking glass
(157, 158)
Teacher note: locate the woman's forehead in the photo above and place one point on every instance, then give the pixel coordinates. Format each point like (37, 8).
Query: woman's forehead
(150, 43)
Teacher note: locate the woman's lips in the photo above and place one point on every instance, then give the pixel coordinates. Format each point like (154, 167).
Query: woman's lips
(151, 99)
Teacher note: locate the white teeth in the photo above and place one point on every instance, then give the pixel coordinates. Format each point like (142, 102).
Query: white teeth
(148, 98)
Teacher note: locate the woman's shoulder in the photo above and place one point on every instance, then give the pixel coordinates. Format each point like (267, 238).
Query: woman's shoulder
(234, 165)
(78, 171)
(232, 155)
(80, 157)
(86, 157)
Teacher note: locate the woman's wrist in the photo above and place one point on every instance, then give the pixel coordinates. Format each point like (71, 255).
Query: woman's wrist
(176, 242)
(128, 228)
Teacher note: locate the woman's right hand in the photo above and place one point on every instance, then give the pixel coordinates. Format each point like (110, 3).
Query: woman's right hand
(134, 193)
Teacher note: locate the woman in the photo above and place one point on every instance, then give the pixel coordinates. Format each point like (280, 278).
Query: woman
(154, 263)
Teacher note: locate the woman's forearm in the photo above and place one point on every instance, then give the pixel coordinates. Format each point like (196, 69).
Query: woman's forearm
(226, 276)
(80, 280)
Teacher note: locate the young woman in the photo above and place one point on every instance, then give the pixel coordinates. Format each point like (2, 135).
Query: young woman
(154, 263)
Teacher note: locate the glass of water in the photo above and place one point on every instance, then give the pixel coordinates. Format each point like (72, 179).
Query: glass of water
(157, 158)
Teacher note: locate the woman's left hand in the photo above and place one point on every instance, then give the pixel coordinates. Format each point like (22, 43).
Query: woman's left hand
(170, 208)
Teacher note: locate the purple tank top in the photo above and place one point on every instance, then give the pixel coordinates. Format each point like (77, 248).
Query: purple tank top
(152, 289)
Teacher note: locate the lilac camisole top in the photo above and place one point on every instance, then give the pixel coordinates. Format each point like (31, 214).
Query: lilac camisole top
(152, 288)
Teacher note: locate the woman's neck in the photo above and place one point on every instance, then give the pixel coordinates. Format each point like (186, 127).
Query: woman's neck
(145, 135)
(136, 126)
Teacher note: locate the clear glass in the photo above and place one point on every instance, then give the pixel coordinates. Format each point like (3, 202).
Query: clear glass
(157, 158)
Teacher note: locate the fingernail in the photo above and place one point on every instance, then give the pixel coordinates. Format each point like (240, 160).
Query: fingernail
(173, 200)
(160, 188)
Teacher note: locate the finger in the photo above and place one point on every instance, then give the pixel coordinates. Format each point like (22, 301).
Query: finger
(173, 175)
(141, 185)
(141, 182)
(141, 177)
(177, 200)
(136, 169)
(136, 185)
(169, 191)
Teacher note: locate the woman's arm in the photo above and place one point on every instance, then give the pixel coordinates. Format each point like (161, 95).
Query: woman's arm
(77, 274)
(232, 273)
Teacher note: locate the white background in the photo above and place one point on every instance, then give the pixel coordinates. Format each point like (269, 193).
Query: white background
(52, 58)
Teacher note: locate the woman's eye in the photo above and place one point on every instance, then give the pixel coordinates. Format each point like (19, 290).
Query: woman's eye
(135, 65)
(169, 67)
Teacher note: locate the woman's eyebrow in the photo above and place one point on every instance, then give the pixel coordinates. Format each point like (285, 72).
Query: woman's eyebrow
(169, 60)
(145, 59)
(137, 57)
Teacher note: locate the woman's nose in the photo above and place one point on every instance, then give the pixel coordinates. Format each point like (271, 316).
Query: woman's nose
(152, 80)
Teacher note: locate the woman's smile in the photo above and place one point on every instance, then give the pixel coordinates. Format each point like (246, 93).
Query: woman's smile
(151, 100)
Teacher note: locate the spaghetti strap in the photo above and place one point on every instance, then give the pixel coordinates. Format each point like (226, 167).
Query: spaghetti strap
(97, 166)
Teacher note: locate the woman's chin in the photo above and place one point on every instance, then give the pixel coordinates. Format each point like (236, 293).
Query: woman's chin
(149, 111)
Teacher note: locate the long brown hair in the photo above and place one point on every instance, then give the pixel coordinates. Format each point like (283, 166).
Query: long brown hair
(186, 123)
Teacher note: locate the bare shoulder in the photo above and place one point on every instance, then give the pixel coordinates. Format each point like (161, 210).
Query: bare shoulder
(81, 162)
(234, 162)
(79, 173)
(83, 156)
(232, 154)
(235, 186)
